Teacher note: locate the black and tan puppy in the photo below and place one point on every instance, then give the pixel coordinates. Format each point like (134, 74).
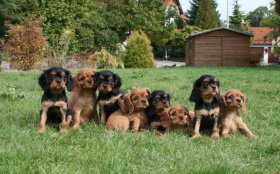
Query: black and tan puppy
(108, 85)
(177, 118)
(83, 101)
(232, 101)
(158, 101)
(205, 95)
(54, 109)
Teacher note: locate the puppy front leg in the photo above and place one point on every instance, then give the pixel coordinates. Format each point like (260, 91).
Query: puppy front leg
(64, 121)
(244, 129)
(197, 123)
(216, 130)
(76, 119)
(135, 124)
(43, 119)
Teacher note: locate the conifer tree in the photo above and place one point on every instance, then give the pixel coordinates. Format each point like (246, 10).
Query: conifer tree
(138, 51)
(206, 17)
(236, 20)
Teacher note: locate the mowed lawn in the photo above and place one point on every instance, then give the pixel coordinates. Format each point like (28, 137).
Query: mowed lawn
(93, 149)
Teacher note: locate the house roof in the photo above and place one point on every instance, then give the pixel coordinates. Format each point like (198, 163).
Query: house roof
(259, 33)
(217, 29)
(178, 4)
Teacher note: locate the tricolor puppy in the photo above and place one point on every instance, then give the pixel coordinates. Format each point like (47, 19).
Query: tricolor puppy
(177, 118)
(83, 101)
(232, 101)
(132, 112)
(54, 109)
(108, 85)
(158, 101)
(205, 94)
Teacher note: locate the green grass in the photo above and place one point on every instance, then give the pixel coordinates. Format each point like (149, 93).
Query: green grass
(93, 149)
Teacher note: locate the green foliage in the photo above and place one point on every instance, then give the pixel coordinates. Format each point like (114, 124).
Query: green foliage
(206, 16)
(276, 47)
(104, 60)
(191, 13)
(138, 52)
(277, 6)
(152, 18)
(12, 92)
(27, 43)
(272, 21)
(256, 16)
(235, 21)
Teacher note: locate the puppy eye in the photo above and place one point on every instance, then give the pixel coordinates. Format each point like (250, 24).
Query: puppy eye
(230, 97)
(111, 82)
(83, 78)
(64, 77)
(173, 114)
(204, 83)
(51, 76)
(135, 98)
(157, 100)
(185, 113)
(241, 97)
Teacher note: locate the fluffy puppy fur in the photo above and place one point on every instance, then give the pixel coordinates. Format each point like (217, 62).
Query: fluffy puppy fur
(232, 101)
(205, 95)
(54, 109)
(108, 85)
(158, 101)
(83, 101)
(132, 112)
(177, 118)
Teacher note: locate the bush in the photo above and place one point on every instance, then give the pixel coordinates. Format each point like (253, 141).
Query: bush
(104, 60)
(138, 52)
(27, 43)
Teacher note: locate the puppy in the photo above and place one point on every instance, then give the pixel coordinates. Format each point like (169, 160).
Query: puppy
(54, 107)
(177, 118)
(205, 95)
(232, 101)
(132, 112)
(108, 85)
(158, 101)
(83, 101)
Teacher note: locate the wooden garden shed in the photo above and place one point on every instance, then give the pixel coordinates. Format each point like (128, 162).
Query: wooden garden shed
(218, 47)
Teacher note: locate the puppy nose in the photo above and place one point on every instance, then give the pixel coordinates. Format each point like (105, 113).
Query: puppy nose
(105, 85)
(58, 80)
(89, 81)
(143, 101)
(238, 100)
(213, 87)
(181, 118)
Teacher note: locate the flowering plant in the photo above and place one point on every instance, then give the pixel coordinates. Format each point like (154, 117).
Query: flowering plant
(276, 47)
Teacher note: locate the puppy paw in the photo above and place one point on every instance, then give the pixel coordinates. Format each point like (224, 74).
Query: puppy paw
(41, 130)
(214, 136)
(196, 136)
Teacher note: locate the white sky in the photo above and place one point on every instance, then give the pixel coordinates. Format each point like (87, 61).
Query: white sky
(246, 6)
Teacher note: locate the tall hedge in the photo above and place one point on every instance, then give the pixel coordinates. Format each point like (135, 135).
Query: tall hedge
(138, 51)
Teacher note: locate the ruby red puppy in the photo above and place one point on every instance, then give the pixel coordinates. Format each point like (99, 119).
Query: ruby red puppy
(205, 95)
(54, 109)
(108, 85)
(177, 118)
(83, 101)
(233, 100)
(132, 114)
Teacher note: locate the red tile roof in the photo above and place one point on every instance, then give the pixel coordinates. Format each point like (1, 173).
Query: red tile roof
(259, 33)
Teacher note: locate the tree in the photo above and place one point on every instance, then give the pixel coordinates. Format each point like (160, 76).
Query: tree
(277, 6)
(256, 16)
(272, 21)
(138, 52)
(206, 17)
(235, 21)
(191, 13)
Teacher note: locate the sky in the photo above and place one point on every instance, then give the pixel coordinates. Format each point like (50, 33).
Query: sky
(246, 6)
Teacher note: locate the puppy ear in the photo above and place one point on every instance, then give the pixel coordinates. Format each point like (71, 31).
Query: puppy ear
(76, 85)
(69, 82)
(195, 95)
(148, 91)
(118, 82)
(165, 118)
(244, 110)
(43, 81)
(128, 103)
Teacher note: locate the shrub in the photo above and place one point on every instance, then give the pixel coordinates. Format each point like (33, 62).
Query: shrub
(138, 52)
(26, 44)
(104, 60)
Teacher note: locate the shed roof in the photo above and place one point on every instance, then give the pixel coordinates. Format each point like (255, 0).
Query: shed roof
(259, 33)
(218, 29)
